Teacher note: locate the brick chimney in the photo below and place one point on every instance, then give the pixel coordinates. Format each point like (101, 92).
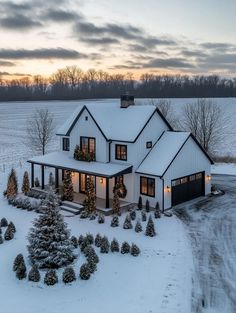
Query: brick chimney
(126, 101)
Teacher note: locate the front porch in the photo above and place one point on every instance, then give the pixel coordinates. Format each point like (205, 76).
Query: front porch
(103, 174)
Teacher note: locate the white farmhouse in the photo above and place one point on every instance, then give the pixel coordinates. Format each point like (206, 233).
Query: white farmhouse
(131, 144)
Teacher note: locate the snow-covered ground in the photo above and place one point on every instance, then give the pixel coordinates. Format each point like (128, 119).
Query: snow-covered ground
(13, 117)
(158, 281)
(224, 168)
(211, 224)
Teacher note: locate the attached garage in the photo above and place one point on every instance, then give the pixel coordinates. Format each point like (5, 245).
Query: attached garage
(187, 188)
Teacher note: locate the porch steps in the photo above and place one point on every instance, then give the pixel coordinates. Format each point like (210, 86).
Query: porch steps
(71, 207)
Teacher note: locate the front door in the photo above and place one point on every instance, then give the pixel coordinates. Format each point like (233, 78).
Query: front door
(82, 182)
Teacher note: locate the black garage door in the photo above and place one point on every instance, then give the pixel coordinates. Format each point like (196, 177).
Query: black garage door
(187, 188)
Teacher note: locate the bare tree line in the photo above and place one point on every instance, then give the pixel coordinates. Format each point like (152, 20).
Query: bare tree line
(73, 83)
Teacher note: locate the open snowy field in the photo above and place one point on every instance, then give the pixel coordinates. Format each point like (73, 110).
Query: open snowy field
(158, 281)
(13, 117)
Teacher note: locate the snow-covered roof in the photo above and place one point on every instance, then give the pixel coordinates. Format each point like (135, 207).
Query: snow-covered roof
(65, 161)
(122, 124)
(163, 153)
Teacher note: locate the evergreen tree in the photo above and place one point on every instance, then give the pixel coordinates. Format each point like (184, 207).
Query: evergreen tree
(140, 203)
(144, 216)
(84, 271)
(25, 184)
(36, 182)
(1, 239)
(90, 197)
(9, 233)
(135, 251)
(12, 185)
(68, 191)
(51, 278)
(49, 239)
(147, 206)
(116, 202)
(74, 241)
(4, 222)
(125, 248)
(101, 219)
(150, 229)
(68, 275)
(80, 239)
(21, 271)
(12, 226)
(98, 240)
(133, 215)
(104, 245)
(157, 213)
(127, 223)
(115, 221)
(115, 246)
(92, 265)
(18, 260)
(90, 238)
(34, 274)
(138, 227)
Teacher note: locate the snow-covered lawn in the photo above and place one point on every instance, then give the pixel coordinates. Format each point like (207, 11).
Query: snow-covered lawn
(159, 280)
(224, 168)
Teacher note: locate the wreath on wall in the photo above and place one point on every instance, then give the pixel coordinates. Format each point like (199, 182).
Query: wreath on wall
(120, 189)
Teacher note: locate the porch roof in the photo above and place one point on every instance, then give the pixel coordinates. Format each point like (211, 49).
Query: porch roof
(63, 160)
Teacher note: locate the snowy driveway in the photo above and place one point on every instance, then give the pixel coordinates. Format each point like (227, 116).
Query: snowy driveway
(212, 227)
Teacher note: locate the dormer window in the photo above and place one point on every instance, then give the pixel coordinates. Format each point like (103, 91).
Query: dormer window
(66, 144)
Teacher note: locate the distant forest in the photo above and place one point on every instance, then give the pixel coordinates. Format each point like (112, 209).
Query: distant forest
(72, 83)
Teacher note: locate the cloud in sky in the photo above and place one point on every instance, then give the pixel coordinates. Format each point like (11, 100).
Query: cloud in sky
(118, 44)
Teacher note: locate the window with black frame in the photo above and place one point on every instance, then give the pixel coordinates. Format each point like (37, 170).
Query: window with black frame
(147, 186)
(121, 152)
(66, 144)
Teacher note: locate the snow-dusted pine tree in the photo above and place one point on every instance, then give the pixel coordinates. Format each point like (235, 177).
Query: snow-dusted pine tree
(90, 197)
(51, 180)
(68, 191)
(50, 245)
(150, 229)
(12, 185)
(25, 184)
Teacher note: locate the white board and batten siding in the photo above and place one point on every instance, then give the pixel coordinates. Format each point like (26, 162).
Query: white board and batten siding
(88, 128)
(189, 160)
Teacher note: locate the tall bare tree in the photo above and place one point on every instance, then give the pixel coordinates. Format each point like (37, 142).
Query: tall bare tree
(204, 119)
(40, 130)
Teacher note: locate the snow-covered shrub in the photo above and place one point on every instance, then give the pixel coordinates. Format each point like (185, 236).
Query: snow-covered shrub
(84, 214)
(125, 248)
(21, 271)
(19, 203)
(147, 206)
(90, 238)
(115, 221)
(104, 245)
(50, 278)
(127, 223)
(68, 275)
(98, 240)
(93, 257)
(135, 251)
(84, 271)
(115, 246)
(49, 239)
(74, 241)
(12, 227)
(1, 239)
(144, 216)
(138, 227)
(101, 219)
(4, 222)
(9, 234)
(157, 214)
(93, 216)
(34, 274)
(84, 244)
(140, 203)
(18, 260)
(80, 239)
(150, 228)
(51, 180)
(92, 265)
(88, 250)
(133, 215)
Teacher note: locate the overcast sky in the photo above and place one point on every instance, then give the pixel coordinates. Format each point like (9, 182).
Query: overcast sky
(159, 36)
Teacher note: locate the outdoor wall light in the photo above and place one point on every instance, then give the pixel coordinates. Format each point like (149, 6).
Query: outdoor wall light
(101, 180)
(208, 177)
(168, 188)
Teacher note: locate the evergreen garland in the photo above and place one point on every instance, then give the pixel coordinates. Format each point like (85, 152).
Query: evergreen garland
(116, 202)
(90, 197)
